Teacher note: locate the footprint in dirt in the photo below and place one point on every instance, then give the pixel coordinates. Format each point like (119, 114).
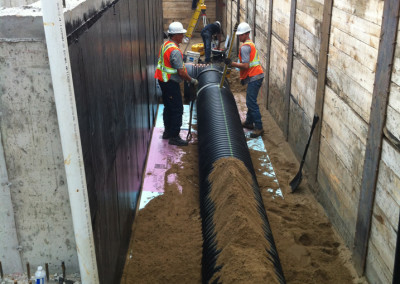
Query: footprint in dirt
(304, 239)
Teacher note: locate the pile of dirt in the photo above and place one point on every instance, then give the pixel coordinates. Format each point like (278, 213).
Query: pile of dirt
(238, 226)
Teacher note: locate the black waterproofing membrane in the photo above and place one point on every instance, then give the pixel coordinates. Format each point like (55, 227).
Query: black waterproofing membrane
(113, 54)
(220, 135)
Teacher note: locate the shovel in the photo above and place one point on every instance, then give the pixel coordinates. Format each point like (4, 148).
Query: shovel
(193, 96)
(297, 179)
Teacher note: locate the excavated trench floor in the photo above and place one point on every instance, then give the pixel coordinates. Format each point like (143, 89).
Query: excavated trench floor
(166, 243)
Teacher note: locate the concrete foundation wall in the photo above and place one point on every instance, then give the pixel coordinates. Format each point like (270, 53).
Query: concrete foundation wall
(35, 214)
(15, 3)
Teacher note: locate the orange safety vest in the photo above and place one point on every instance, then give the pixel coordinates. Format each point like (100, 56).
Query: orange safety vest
(164, 69)
(254, 64)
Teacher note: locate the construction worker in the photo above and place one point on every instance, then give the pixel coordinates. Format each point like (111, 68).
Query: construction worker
(170, 72)
(207, 33)
(251, 73)
(194, 4)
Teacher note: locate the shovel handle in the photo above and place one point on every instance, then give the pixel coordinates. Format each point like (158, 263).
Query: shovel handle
(314, 123)
(229, 55)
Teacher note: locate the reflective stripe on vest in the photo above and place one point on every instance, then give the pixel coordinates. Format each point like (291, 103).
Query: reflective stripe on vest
(254, 64)
(165, 70)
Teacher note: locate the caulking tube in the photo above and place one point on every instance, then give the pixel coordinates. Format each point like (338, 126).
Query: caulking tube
(60, 67)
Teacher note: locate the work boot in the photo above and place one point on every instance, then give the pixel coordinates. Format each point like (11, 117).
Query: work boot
(165, 135)
(178, 141)
(248, 125)
(256, 133)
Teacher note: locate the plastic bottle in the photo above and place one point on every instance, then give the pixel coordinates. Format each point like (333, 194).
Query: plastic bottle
(40, 276)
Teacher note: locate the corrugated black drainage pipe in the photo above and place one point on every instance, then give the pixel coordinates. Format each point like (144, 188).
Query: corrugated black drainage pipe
(220, 135)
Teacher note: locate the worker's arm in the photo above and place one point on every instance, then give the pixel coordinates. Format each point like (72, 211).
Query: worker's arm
(177, 62)
(245, 55)
(244, 65)
(184, 75)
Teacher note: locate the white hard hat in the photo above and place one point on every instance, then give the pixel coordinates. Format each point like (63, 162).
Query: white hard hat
(176, 28)
(218, 23)
(243, 28)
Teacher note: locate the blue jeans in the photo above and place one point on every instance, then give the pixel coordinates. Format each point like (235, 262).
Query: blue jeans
(253, 111)
(173, 107)
(207, 45)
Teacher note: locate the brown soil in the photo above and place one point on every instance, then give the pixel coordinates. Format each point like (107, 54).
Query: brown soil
(166, 244)
(238, 226)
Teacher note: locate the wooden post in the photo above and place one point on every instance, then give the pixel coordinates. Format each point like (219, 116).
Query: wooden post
(379, 103)
(28, 270)
(218, 12)
(289, 68)
(238, 21)
(254, 19)
(47, 271)
(396, 267)
(231, 16)
(320, 92)
(268, 62)
(247, 11)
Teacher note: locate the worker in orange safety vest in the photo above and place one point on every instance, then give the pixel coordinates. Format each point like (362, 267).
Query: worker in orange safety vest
(251, 73)
(170, 72)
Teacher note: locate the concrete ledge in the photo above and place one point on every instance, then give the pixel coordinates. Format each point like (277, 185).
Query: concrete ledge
(25, 23)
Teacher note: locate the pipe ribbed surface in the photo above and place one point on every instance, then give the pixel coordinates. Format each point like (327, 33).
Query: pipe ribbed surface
(220, 135)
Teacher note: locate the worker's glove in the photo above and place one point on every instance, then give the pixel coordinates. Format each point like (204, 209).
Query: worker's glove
(194, 82)
(228, 62)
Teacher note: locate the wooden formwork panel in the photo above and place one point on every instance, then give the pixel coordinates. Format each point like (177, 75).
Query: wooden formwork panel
(181, 11)
(348, 33)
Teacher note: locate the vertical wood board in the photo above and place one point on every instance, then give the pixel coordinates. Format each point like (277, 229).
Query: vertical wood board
(289, 69)
(374, 141)
(320, 91)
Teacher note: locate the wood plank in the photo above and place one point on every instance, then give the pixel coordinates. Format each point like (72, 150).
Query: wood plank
(308, 22)
(374, 140)
(314, 8)
(361, 29)
(359, 51)
(396, 71)
(341, 181)
(338, 216)
(344, 117)
(349, 149)
(280, 20)
(396, 271)
(304, 85)
(351, 68)
(358, 98)
(289, 69)
(320, 92)
(388, 195)
(376, 271)
(393, 122)
(307, 45)
(370, 10)
(383, 235)
(394, 97)
(262, 17)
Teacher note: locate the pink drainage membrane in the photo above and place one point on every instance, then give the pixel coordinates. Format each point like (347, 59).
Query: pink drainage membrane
(162, 155)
